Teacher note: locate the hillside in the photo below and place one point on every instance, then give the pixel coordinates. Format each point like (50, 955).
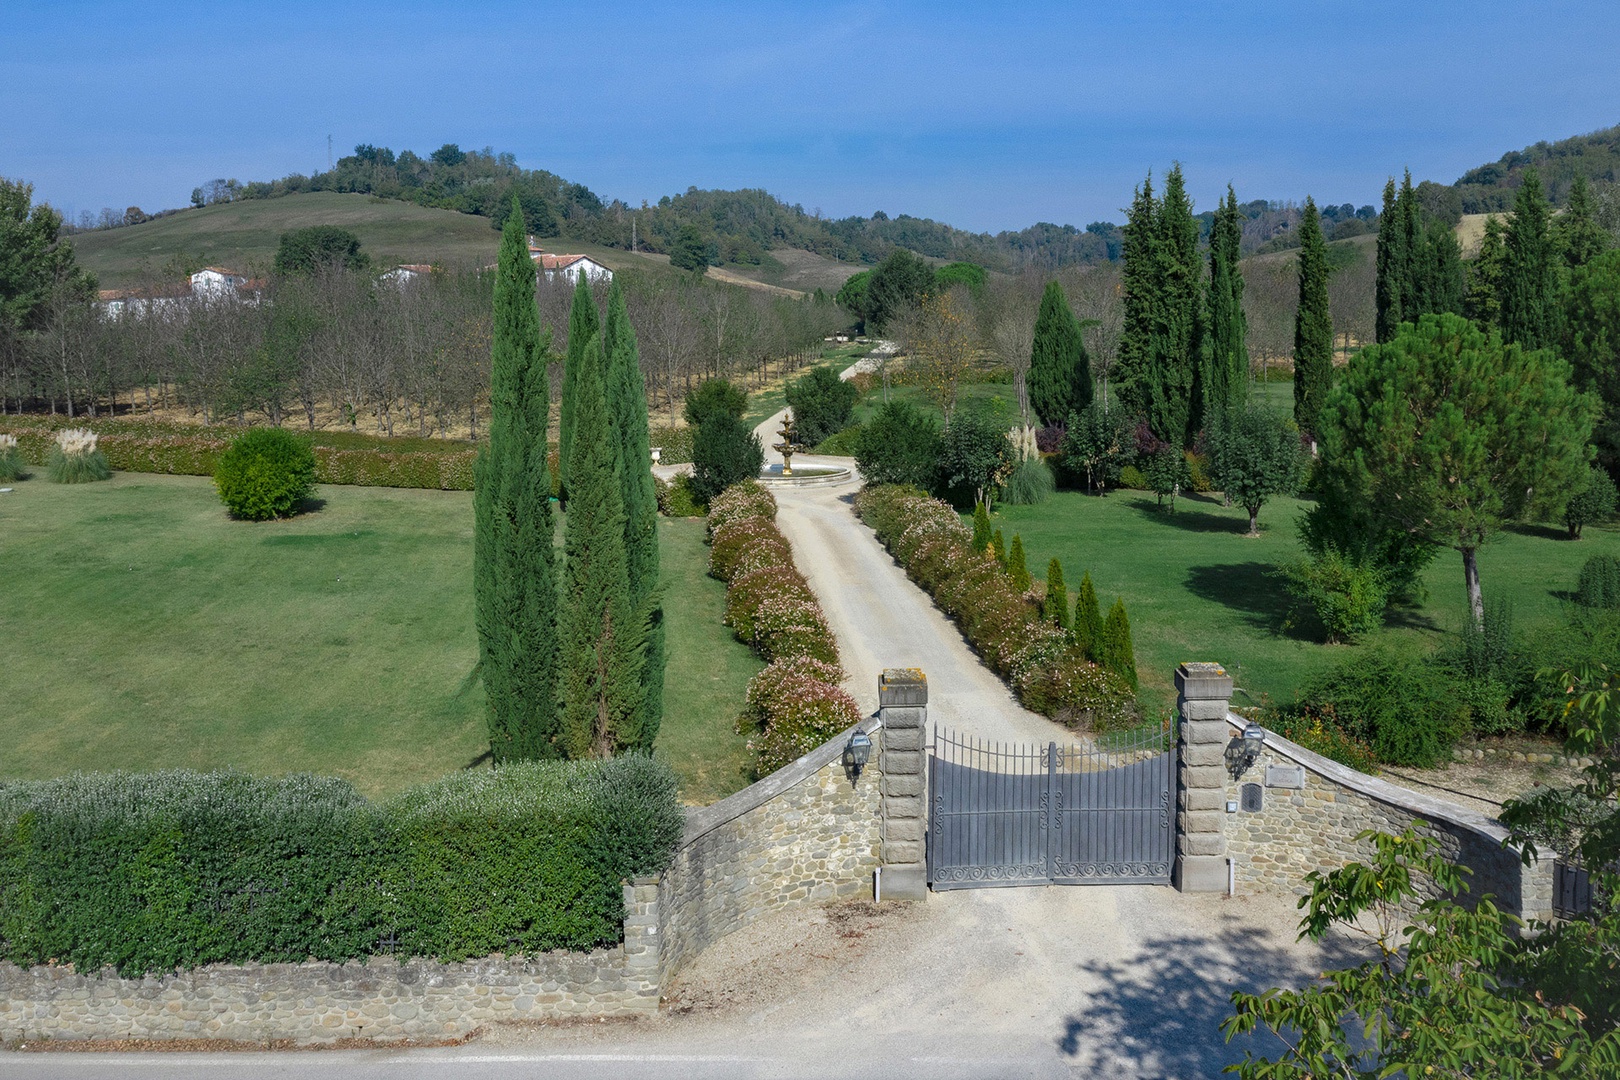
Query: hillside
(1490, 187)
(244, 234)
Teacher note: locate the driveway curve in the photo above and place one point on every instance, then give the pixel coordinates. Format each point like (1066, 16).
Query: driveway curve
(883, 620)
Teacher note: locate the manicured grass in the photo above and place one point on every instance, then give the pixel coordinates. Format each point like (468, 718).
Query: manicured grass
(144, 629)
(1197, 589)
(998, 394)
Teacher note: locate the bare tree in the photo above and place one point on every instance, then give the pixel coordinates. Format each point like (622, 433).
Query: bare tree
(1097, 297)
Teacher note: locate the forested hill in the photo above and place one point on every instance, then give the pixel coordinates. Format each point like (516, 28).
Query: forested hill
(738, 227)
(1489, 189)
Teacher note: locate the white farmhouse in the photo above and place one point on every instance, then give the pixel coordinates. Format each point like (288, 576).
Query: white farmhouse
(407, 272)
(568, 266)
(216, 281)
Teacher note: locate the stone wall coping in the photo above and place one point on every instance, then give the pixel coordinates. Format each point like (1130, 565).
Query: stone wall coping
(702, 820)
(1419, 805)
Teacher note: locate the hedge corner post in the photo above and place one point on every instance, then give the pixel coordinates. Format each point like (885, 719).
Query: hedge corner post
(1203, 696)
(903, 713)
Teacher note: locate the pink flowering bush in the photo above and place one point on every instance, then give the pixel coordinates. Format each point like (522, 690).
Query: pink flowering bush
(748, 591)
(794, 706)
(748, 499)
(788, 624)
(1049, 673)
(730, 541)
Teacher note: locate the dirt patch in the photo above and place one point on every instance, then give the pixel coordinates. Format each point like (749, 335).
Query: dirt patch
(783, 953)
(1486, 784)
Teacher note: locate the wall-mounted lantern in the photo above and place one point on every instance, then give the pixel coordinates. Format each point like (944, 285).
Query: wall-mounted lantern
(1244, 750)
(857, 752)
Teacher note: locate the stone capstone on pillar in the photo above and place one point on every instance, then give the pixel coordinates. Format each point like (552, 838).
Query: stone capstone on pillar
(1203, 697)
(903, 712)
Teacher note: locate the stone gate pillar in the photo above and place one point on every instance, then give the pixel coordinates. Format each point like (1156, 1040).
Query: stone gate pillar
(903, 712)
(1203, 696)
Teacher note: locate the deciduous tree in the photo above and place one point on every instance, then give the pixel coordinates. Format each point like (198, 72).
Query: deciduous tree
(1256, 455)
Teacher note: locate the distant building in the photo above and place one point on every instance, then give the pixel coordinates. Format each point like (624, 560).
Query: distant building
(407, 272)
(209, 283)
(568, 265)
(217, 281)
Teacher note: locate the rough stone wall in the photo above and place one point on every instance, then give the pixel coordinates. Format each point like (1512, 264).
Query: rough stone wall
(1313, 827)
(318, 1002)
(803, 835)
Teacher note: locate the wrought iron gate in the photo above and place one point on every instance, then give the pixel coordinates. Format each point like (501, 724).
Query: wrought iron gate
(1010, 814)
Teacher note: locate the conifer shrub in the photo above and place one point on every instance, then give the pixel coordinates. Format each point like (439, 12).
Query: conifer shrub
(1017, 568)
(75, 458)
(1599, 584)
(1115, 652)
(1086, 629)
(1593, 503)
(899, 445)
(998, 549)
(265, 474)
(1131, 477)
(981, 527)
(157, 872)
(724, 452)
(822, 404)
(1055, 601)
(11, 462)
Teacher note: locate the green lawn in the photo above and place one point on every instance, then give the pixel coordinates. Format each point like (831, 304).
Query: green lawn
(144, 629)
(1197, 589)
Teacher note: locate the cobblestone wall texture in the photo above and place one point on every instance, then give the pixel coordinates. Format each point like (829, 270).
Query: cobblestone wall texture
(1313, 827)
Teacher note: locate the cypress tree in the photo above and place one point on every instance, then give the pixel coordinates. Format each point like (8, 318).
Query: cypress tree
(1226, 345)
(1117, 654)
(602, 639)
(583, 325)
(1175, 326)
(1313, 326)
(1140, 300)
(998, 548)
(1444, 281)
(1086, 630)
(1059, 369)
(1484, 304)
(1581, 237)
(1392, 265)
(1529, 271)
(1409, 218)
(1055, 604)
(1017, 568)
(515, 592)
(627, 411)
(981, 527)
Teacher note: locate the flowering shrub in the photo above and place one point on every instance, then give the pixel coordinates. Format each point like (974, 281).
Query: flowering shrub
(748, 499)
(787, 624)
(1320, 731)
(794, 706)
(750, 590)
(1047, 671)
(729, 542)
(75, 460)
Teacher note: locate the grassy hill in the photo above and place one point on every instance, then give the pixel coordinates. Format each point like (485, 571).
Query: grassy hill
(243, 235)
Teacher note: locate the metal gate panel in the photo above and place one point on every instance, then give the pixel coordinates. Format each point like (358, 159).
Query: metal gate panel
(1019, 814)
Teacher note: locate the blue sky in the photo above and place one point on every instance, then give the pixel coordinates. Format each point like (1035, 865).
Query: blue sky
(988, 116)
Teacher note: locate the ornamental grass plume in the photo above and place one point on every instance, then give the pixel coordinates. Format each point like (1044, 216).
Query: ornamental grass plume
(11, 462)
(75, 459)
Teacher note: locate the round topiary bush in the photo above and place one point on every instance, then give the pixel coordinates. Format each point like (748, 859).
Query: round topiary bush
(265, 474)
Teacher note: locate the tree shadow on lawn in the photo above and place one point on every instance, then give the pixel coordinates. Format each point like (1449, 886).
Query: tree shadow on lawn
(1160, 1012)
(1253, 590)
(1192, 520)
(1540, 532)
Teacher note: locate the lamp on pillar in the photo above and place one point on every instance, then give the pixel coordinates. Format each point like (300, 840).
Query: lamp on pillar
(1244, 750)
(857, 752)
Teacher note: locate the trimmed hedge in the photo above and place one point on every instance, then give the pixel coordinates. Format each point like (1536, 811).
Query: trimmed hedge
(340, 457)
(156, 872)
(795, 704)
(1043, 665)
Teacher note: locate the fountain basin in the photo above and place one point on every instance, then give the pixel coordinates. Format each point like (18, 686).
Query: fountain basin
(806, 474)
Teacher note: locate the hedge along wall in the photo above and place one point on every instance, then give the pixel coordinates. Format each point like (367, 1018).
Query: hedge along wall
(1049, 673)
(151, 873)
(149, 446)
(1312, 809)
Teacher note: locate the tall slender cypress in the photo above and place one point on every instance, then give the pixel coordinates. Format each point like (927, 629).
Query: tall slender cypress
(1409, 218)
(1139, 284)
(1529, 275)
(1059, 369)
(602, 638)
(1086, 631)
(1175, 327)
(1313, 325)
(1116, 652)
(1055, 603)
(1392, 265)
(1579, 234)
(1484, 303)
(514, 578)
(1444, 281)
(627, 409)
(583, 325)
(1226, 345)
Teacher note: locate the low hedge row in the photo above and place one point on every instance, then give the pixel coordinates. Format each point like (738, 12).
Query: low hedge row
(340, 458)
(795, 704)
(1046, 669)
(156, 872)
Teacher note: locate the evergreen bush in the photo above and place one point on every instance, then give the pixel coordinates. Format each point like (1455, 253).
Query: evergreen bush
(157, 872)
(1132, 478)
(1115, 652)
(724, 452)
(1348, 595)
(1086, 629)
(981, 527)
(794, 706)
(748, 499)
(822, 404)
(1403, 707)
(1593, 503)
(899, 445)
(732, 539)
(998, 549)
(1599, 583)
(714, 397)
(1055, 601)
(75, 459)
(266, 473)
(1017, 568)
